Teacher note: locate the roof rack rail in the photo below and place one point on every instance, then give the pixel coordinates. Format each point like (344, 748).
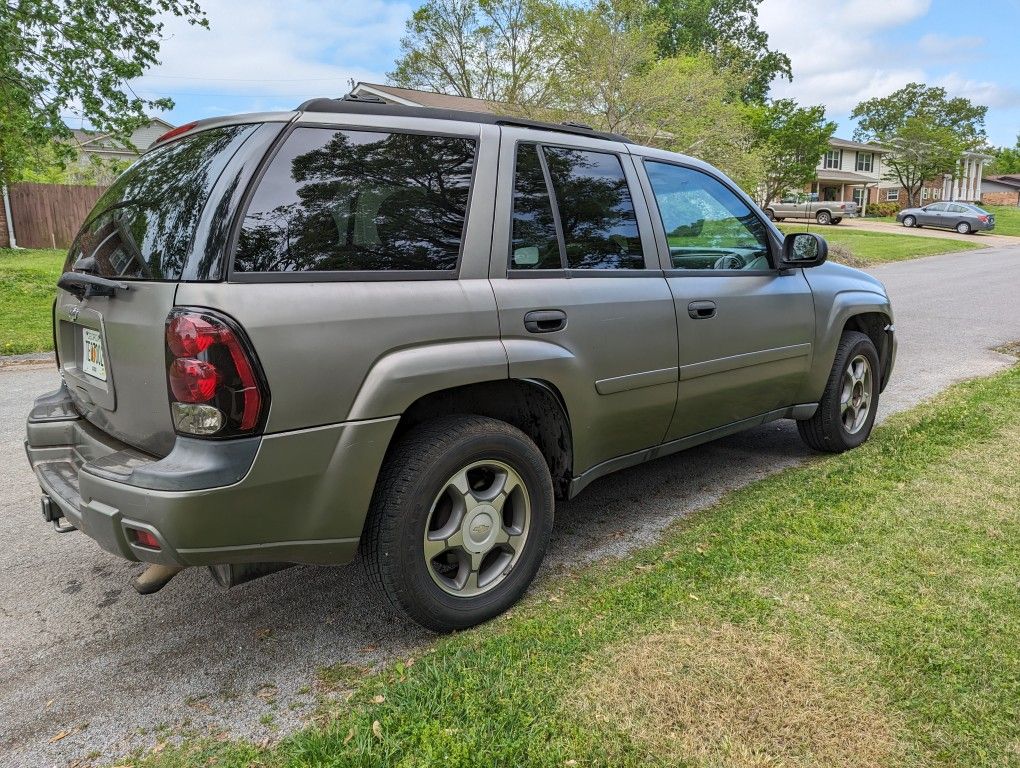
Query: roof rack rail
(372, 105)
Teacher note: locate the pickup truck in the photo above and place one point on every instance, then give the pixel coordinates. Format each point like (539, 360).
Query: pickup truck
(810, 207)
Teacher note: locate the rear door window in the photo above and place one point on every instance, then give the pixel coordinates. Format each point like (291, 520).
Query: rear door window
(587, 222)
(354, 200)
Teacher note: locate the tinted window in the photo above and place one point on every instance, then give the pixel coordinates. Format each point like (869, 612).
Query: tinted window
(707, 226)
(534, 242)
(596, 211)
(957, 209)
(143, 226)
(358, 200)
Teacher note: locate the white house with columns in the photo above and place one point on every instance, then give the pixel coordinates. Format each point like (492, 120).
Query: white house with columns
(963, 185)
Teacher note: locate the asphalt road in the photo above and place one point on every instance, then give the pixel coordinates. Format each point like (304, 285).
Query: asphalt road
(82, 654)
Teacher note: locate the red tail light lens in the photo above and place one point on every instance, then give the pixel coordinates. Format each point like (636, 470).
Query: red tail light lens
(144, 538)
(175, 132)
(983, 219)
(215, 383)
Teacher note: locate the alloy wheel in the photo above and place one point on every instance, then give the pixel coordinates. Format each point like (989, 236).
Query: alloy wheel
(477, 528)
(855, 396)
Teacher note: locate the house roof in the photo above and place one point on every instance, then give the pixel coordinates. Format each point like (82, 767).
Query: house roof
(847, 144)
(414, 98)
(1007, 179)
(846, 177)
(102, 142)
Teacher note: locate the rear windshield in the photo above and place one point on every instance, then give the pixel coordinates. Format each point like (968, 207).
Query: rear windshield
(143, 226)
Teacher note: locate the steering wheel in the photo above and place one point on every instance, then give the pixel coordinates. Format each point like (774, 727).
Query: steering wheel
(728, 261)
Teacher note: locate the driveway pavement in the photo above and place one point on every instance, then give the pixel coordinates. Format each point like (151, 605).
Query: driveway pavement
(82, 655)
(987, 239)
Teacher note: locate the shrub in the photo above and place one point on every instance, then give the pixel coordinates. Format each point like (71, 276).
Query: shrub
(886, 208)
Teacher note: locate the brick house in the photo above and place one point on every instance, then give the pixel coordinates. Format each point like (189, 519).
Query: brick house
(849, 170)
(1001, 190)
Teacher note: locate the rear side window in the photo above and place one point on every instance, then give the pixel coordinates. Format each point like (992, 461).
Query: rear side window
(590, 212)
(342, 200)
(143, 226)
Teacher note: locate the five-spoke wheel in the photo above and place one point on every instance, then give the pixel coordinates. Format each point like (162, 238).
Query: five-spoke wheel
(477, 528)
(855, 396)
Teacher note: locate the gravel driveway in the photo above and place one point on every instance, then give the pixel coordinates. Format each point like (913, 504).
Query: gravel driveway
(82, 654)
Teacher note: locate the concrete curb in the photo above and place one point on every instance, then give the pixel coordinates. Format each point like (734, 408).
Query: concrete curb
(31, 359)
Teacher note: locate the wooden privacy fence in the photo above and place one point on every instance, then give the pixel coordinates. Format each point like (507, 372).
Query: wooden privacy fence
(49, 215)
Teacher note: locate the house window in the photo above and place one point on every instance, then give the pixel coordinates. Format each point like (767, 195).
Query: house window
(892, 194)
(833, 158)
(924, 193)
(859, 196)
(865, 161)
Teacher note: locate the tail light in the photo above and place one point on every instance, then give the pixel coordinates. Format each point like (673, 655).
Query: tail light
(214, 380)
(842, 206)
(983, 219)
(173, 133)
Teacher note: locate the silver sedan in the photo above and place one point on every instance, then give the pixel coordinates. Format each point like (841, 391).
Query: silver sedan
(962, 217)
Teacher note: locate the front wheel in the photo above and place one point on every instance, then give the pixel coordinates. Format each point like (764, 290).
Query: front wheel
(847, 409)
(909, 221)
(823, 217)
(460, 521)
(963, 228)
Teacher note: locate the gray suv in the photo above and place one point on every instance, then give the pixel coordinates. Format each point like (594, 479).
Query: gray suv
(293, 337)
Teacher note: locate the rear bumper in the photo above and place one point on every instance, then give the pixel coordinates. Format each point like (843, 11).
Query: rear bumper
(297, 496)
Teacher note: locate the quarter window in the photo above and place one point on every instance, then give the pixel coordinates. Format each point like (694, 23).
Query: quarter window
(595, 226)
(707, 225)
(341, 200)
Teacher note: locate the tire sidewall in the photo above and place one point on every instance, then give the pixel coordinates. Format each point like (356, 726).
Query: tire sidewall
(963, 228)
(909, 221)
(823, 218)
(433, 606)
(867, 348)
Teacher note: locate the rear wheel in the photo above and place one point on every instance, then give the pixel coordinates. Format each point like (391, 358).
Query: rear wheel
(823, 217)
(909, 221)
(963, 228)
(847, 409)
(771, 214)
(460, 521)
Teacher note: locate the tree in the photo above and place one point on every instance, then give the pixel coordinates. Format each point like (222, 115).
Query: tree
(728, 31)
(482, 49)
(64, 55)
(1007, 160)
(790, 142)
(925, 130)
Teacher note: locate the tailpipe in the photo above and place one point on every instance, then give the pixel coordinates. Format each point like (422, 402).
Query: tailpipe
(154, 578)
(232, 574)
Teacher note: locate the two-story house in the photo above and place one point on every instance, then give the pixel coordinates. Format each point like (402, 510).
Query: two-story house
(849, 170)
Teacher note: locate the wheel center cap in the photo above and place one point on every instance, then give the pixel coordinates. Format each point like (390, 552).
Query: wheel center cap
(480, 528)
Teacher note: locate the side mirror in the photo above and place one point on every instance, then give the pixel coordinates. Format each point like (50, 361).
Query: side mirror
(803, 249)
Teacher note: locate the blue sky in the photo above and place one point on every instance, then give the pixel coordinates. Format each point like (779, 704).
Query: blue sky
(266, 54)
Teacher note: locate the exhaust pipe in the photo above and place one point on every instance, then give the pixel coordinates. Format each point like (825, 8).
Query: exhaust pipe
(230, 575)
(154, 578)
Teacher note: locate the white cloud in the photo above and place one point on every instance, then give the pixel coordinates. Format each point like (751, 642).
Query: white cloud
(835, 51)
(949, 47)
(275, 50)
(980, 91)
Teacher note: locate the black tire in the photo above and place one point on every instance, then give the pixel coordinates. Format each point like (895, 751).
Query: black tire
(771, 214)
(823, 217)
(909, 221)
(825, 431)
(964, 228)
(414, 473)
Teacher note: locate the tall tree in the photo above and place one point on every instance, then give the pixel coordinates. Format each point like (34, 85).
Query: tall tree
(790, 142)
(925, 130)
(729, 32)
(63, 55)
(1007, 160)
(483, 49)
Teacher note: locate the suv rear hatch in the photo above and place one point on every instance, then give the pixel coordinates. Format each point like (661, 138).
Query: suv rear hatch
(153, 228)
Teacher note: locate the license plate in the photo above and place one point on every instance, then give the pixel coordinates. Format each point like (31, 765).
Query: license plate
(92, 361)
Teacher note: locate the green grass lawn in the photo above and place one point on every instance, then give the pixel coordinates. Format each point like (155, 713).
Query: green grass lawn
(877, 247)
(859, 610)
(28, 280)
(1007, 219)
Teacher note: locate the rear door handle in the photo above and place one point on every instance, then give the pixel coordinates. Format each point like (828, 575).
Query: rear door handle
(701, 310)
(545, 320)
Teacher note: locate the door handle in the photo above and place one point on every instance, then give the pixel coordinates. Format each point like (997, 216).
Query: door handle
(545, 320)
(701, 310)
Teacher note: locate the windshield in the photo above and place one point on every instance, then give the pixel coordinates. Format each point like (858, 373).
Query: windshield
(143, 226)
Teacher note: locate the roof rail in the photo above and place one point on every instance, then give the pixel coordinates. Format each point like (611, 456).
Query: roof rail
(373, 105)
